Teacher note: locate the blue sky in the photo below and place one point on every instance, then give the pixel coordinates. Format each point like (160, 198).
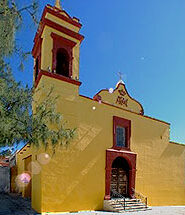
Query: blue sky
(143, 39)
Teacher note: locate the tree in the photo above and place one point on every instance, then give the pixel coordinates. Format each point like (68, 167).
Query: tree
(18, 122)
(10, 21)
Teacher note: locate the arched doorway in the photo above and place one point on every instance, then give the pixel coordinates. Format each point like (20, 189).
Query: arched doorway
(119, 178)
(62, 62)
(113, 157)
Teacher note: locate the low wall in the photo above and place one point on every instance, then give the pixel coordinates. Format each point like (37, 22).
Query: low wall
(5, 179)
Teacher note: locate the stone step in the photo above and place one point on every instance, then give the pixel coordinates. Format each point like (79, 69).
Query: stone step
(130, 202)
(134, 210)
(128, 207)
(127, 200)
(131, 205)
(127, 204)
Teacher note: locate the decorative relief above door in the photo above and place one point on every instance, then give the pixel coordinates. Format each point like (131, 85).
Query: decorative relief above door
(119, 97)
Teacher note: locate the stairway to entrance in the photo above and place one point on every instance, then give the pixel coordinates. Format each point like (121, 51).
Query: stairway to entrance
(124, 204)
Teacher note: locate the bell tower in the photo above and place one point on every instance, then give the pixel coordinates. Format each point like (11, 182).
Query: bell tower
(57, 45)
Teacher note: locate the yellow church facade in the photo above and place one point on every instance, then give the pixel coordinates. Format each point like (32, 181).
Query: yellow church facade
(117, 149)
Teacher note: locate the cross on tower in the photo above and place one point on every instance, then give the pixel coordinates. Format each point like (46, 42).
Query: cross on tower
(58, 5)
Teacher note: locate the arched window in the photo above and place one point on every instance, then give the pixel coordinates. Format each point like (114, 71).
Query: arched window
(62, 63)
(36, 69)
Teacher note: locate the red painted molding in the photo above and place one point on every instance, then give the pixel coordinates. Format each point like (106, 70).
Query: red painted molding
(130, 157)
(117, 121)
(37, 47)
(58, 27)
(56, 12)
(36, 53)
(148, 117)
(63, 40)
(59, 43)
(56, 76)
(62, 29)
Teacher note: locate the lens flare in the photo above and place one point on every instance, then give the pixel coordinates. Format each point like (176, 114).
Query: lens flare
(111, 90)
(23, 179)
(43, 158)
(34, 167)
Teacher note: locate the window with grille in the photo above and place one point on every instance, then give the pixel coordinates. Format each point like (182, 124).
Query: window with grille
(122, 133)
(120, 136)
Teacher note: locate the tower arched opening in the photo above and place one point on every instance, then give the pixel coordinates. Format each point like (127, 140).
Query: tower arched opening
(62, 62)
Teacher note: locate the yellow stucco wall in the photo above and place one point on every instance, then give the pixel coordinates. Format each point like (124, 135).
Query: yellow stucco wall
(35, 176)
(75, 177)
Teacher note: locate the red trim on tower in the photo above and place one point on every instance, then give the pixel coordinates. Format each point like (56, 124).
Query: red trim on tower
(117, 121)
(62, 29)
(36, 53)
(56, 76)
(59, 43)
(130, 157)
(63, 40)
(37, 47)
(57, 27)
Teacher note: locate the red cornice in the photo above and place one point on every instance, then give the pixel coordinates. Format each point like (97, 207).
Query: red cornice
(57, 26)
(62, 29)
(56, 12)
(148, 117)
(56, 76)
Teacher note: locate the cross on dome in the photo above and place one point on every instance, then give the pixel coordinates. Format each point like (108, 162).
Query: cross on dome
(120, 74)
(58, 5)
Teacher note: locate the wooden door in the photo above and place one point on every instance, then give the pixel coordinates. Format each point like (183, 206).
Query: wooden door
(119, 181)
(27, 166)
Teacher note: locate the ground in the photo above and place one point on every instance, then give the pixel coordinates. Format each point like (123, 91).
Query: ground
(16, 205)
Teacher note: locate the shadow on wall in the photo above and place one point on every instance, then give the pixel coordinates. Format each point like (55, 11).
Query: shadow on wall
(174, 150)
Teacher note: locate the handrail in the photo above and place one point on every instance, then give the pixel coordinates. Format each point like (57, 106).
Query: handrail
(140, 196)
(116, 194)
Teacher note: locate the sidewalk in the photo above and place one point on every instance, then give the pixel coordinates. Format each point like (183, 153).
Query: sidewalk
(16, 205)
(167, 210)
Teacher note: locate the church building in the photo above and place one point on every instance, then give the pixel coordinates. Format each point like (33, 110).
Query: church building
(117, 151)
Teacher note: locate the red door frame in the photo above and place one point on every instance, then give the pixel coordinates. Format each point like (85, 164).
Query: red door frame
(130, 157)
